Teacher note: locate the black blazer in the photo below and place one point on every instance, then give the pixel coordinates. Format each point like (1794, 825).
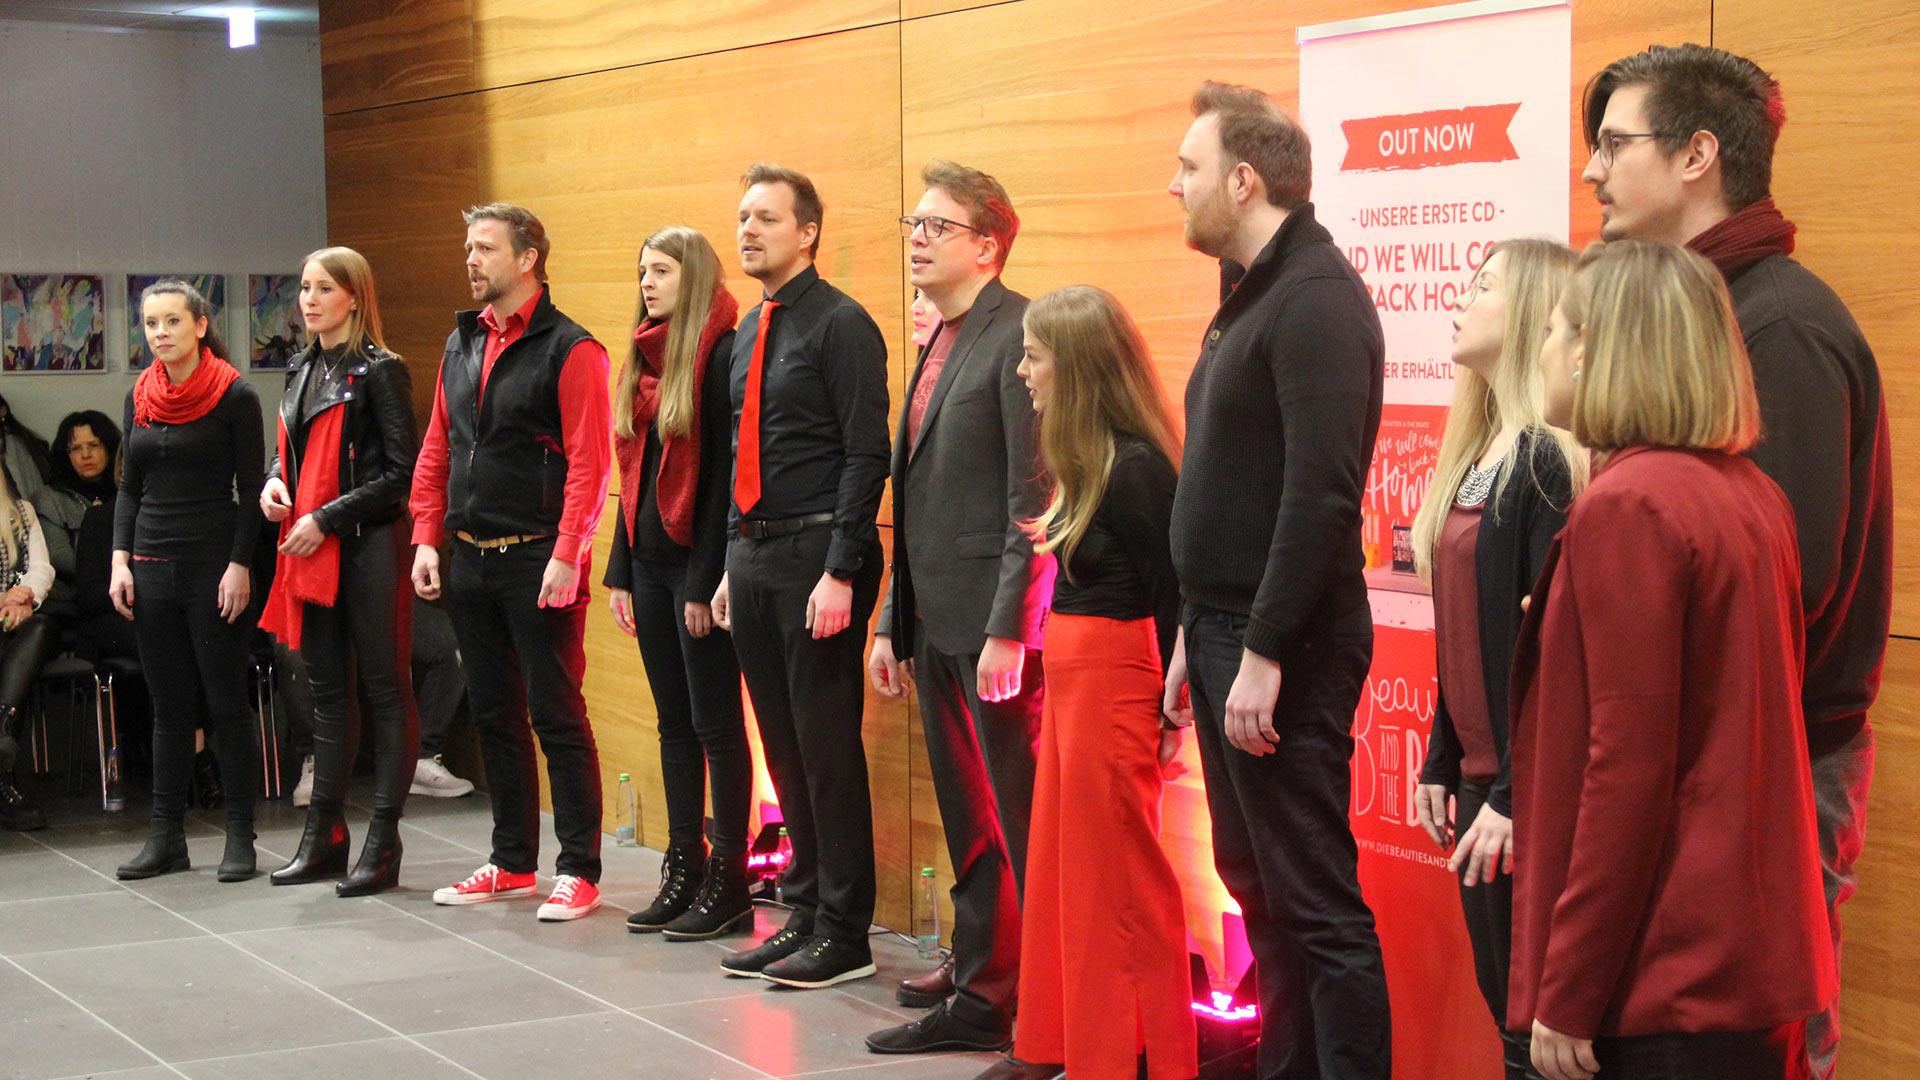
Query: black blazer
(1507, 558)
(378, 436)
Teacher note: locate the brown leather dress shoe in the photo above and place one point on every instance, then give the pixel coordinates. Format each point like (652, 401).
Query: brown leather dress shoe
(926, 991)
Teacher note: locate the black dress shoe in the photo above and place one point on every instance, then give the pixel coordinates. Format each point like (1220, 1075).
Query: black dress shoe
(723, 904)
(1012, 1068)
(17, 811)
(748, 963)
(164, 853)
(322, 852)
(680, 881)
(823, 962)
(237, 861)
(926, 991)
(935, 1032)
(379, 867)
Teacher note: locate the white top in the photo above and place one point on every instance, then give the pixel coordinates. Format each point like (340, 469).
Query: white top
(38, 576)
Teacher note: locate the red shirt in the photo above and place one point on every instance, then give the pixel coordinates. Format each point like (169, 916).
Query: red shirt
(1456, 613)
(585, 439)
(937, 353)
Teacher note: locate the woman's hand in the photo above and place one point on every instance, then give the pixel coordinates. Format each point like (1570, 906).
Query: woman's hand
(120, 588)
(1562, 1057)
(12, 615)
(274, 500)
(722, 606)
(304, 539)
(19, 594)
(236, 588)
(620, 602)
(1430, 804)
(699, 619)
(1486, 846)
(1171, 767)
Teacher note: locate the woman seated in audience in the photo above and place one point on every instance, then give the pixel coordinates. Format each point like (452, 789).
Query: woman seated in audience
(1668, 919)
(76, 510)
(23, 455)
(27, 639)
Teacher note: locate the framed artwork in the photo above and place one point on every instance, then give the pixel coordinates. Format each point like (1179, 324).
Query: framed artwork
(53, 322)
(211, 286)
(274, 325)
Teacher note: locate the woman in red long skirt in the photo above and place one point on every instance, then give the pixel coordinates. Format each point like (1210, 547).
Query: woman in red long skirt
(1104, 985)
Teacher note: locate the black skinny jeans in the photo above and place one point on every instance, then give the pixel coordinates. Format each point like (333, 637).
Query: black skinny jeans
(369, 623)
(696, 694)
(191, 655)
(1489, 910)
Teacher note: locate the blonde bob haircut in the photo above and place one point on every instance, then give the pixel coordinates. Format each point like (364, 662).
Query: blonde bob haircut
(349, 270)
(1664, 361)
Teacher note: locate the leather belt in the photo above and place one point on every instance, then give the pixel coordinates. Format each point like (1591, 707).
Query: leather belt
(762, 530)
(498, 543)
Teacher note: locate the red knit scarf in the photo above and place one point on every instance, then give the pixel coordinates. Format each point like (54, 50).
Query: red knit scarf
(1745, 238)
(677, 481)
(155, 398)
(314, 579)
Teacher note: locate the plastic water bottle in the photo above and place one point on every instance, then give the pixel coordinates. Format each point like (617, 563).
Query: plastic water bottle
(114, 796)
(780, 875)
(626, 832)
(926, 917)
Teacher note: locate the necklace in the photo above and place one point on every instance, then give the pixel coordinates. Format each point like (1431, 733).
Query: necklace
(1477, 485)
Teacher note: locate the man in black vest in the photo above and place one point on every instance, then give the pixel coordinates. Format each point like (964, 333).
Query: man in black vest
(515, 463)
(803, 571)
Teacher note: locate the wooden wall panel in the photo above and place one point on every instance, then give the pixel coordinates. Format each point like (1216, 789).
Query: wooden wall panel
(379, 52)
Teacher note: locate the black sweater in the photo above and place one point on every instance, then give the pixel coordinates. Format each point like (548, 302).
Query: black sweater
(178, 483)
(1122, 568)
(1282, 408)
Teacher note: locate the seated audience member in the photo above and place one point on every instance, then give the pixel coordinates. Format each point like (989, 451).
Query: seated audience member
(76, 513)
(1668, 918)
(23, 456)
(26, 641)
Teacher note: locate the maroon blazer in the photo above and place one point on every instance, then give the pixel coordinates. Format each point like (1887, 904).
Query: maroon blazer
(1667, 873)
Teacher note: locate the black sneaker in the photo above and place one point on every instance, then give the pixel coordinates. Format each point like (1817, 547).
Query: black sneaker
(938, 1030)
(824, 962)
(679, 881)
(722, 905)
(749, 963)
(17, 811)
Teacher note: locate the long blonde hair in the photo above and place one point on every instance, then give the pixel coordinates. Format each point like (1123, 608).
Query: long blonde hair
(1664, 363)
(1104, 385)
(1535, 274)
(700, 277)
(350, 270)
(10, 522)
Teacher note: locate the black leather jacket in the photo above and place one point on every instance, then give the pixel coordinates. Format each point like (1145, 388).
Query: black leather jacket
(379, 439)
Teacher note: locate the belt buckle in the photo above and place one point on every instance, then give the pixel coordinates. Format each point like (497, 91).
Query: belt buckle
(502, 544)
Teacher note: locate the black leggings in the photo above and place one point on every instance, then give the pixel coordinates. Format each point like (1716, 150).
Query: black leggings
(696, 693)
(191, 655)
(23, 652)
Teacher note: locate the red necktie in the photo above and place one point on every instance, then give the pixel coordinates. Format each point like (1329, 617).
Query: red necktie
(746, 476)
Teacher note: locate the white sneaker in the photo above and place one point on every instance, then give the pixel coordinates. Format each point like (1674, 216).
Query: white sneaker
(303, 791)
(431, 778)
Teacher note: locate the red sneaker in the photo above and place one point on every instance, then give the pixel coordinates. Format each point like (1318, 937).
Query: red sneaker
(572, 897)
(487, 883)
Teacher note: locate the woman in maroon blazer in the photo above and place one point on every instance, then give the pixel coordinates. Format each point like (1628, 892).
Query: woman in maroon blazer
(1668, 915)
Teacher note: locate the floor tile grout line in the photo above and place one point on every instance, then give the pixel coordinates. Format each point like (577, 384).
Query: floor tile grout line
(97, 1018)
(68, 896)
(262, 961)
(896, 1063)
(284, 1050)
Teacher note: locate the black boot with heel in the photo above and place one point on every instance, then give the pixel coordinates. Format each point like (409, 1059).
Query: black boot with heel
(323, 850)
(379, 867)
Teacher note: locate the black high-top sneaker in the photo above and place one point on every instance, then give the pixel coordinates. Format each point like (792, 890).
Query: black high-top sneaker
(681, 876)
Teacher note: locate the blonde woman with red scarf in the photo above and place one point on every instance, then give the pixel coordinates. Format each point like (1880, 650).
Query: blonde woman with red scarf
(182, 552)
(673, 420)
(338, 487)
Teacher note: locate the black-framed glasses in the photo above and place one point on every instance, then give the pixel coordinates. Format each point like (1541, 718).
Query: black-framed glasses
(936, 227)
(1610, 143)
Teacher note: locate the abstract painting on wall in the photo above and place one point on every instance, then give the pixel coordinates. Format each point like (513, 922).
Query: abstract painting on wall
(53, 322)
(211, 286)
(274, 323)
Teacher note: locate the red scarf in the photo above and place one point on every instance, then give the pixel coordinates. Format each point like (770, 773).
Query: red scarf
(314, 579)
(678, 479)
(155, 398)
(1745, 238)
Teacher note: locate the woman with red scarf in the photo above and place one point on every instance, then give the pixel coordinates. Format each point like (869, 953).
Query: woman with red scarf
(337, 486)
(182, 557)
(673, 419)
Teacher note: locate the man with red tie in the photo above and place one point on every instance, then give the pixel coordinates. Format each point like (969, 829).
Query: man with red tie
(803, 570)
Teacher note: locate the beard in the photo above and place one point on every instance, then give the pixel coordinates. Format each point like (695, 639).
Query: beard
(487, 289)
(1210, 225)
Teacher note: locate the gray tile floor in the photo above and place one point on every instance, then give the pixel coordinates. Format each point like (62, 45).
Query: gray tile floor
(182, 976)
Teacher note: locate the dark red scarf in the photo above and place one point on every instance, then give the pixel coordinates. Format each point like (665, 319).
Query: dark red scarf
(314, 579)
(155, 398)
(1745, 238)
(678, 478)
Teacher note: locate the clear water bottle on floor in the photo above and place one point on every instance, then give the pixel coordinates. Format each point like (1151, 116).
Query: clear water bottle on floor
(780, 872)
(926, 917)
(114, 796)
(626, 828)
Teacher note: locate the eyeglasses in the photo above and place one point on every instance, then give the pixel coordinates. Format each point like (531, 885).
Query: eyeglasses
(1610, 143)
(935, 227)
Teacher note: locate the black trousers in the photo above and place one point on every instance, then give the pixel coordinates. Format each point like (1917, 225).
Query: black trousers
(1772, 1054)
(191, 655)
(696, 694)
(808, 697)
(1285, 850)
(368, 628)
(981, 755)
(1489, 910)
(23, 652)
(526, 662)
(438, 683)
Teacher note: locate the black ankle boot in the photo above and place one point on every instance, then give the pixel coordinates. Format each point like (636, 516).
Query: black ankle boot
(207, 792)
(379, 867)
(722, 905)
(237, 862)
(680, 876)
(165, 853)
(17, 810)
(322, 852)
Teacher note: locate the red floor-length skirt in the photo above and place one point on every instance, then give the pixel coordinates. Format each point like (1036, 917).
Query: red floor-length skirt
(1103, 956)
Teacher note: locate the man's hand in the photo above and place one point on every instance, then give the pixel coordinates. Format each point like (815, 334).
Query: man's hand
(1430, 805)
(722, 606)
(890, 675)
(426, 572)
(1171, 767)
(699, 619)
(1249, 722)
(1001, 664)
(559, 584)
(1175, 707)
(303, 539)
(1562, 1057)
(830, 608)
(1487, 845)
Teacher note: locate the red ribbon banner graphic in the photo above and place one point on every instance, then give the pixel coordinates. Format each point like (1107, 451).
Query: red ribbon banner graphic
(1475, 134)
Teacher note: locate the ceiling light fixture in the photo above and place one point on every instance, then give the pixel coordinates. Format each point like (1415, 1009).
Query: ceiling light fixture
(242, 30)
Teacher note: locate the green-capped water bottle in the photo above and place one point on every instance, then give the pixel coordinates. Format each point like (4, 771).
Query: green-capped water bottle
(626, 828)
(926, 916)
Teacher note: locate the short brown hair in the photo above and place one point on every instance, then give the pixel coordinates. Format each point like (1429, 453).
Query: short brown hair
(984, 198)
(1255, 130)
(807, 209)
(523, 228)
(1699, 88)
